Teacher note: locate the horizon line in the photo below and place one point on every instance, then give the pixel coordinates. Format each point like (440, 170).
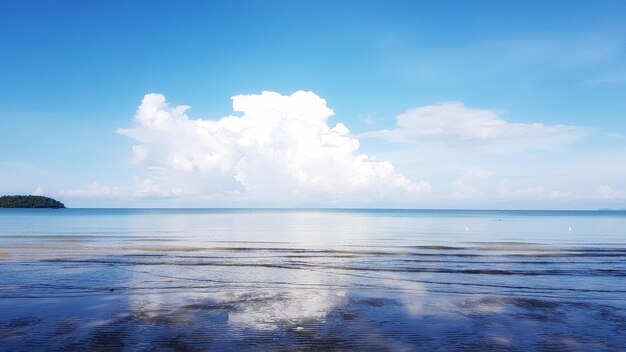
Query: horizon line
(334, 208)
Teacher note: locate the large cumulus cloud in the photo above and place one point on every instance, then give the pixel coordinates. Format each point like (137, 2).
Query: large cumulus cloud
(278, 146)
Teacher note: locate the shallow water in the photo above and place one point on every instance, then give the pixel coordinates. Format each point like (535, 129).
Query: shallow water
(120, 279)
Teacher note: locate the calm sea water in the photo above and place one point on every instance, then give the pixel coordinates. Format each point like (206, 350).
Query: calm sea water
(399, 280)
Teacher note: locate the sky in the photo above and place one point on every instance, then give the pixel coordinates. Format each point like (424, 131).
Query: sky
(401, 104)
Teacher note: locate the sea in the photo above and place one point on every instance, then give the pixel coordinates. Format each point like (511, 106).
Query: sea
(312, 280)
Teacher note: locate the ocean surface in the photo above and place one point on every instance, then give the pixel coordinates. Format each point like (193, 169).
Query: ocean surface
(290, 280)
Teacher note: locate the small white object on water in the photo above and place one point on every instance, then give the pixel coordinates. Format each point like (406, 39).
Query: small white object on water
(466, 228)
(569, 228)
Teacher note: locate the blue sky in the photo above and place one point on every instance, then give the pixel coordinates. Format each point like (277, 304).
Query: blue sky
(73, 73)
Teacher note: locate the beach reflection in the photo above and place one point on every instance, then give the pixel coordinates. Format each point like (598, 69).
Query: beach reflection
(319, 282)
(260, 298)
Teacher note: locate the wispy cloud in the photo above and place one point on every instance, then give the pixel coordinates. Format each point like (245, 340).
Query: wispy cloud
(453, 123)
(569, 52)
(505, 191)
(93, 190)
(465, 187)
(147, 188)
(608, 192)
(140, 154)
(39, 191)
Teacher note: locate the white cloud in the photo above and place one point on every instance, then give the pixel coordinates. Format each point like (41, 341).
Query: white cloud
(147, 188)
(140, 154)
(281, 147)
(38, 192)
(93, 190)
(530, 193)
(454, 123)
(465, 187)
(609, 192)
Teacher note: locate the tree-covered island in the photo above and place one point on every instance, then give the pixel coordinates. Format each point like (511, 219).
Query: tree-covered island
(29, 202)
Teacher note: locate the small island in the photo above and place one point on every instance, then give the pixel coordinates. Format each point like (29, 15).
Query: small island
(29, 202)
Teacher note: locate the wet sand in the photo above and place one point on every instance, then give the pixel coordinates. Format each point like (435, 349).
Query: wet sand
(483, 296)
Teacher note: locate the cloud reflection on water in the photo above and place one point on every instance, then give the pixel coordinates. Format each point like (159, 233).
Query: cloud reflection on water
(309, 280)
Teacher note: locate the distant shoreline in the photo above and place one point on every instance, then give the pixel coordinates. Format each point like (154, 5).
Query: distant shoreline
(26, 202)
